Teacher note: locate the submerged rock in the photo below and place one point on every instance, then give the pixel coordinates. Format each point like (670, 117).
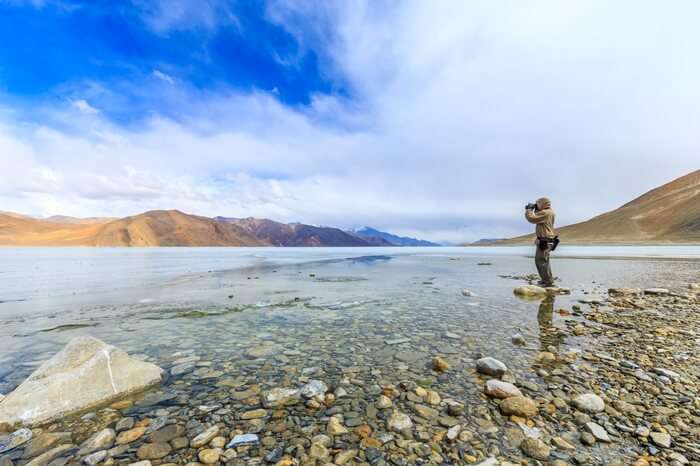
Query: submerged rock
(84, 374)
(241, 440)
(500, 389)
(530, 291)
(491, 366)
(15, 439)
(589, 403)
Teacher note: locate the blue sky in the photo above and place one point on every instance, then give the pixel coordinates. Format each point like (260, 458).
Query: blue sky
(438, 121)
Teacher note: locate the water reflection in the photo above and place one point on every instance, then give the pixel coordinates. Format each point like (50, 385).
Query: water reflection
(550, 336)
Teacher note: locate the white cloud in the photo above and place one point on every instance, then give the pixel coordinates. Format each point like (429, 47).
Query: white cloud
(460, 113)
(83, 106)
(163, 77)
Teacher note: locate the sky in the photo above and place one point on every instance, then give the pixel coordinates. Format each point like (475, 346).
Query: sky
(440, 120)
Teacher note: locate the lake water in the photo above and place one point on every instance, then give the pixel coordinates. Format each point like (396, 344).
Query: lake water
(327, 311)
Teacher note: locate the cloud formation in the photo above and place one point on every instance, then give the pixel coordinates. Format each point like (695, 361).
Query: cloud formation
(454, 117)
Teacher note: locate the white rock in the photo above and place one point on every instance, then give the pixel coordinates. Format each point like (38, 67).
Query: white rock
(488, 462)
(530, 291)
(624, 291)
(314, 388)
(656, 291)
(661, 439)
(244, 439)
(204, 437)
(597, 431)
(491, 366)
(589, 403)
(500, 389)
(86, 373)
(667, 373)
(466, 292)
(280, 397)
(399, 422)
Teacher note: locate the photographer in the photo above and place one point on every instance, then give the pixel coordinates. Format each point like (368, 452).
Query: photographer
(541, 214)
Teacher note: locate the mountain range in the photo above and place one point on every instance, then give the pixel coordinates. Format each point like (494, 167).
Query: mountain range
(175, 228)
(667, 214)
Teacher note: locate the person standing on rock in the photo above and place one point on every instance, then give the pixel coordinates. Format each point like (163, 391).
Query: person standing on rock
(541, 214)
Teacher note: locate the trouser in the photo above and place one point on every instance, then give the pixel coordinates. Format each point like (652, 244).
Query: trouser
(542, 263)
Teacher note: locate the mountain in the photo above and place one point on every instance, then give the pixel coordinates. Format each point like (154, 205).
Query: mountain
(77, 220)
(154, 228)
(371, 234)
(295, 234)
(667, 214)
(168, 228)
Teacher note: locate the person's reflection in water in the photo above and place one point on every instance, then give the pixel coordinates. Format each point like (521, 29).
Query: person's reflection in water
(549, 334)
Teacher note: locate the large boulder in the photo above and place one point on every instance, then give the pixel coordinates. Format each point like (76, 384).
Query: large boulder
(85, 374)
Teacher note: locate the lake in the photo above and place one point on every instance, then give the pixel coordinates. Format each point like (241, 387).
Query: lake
(372, 314)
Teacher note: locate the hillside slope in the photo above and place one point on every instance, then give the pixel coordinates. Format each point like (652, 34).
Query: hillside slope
(296, 234)
(667, 214)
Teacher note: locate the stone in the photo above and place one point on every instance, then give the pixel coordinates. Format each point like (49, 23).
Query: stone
(467, 293)
(563, 444)
(15, 439)
(440, 365)
(383, 402)
(204, 437)
(675, 376)
(661, 439)
(85, 374)
(141, 463)
(209, 455)
(521, 406)
(262, 351)
(124, 423)
(433, 398)
(280, 397)
(530, 291)
(153, 451)
(518, 340)
(656, 291)
(314, 388)
(242, 440)
(579, 330)
(491, 366)
(535, 448)
(166, 433)
(44, 442)
(597, 431)
(589, 403)
(254, 414)
(46, 457)
(318, 451)
(399, 421)
(95, 458)
(130, 435)
(624, 291)
(344, 457)
(499, 389)
(101, 440)
(489, 462)
(335, 427)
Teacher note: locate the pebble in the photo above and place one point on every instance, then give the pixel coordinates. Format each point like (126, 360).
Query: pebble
(661, 439)
(205, 437)
(241, 440)
(589, 403)
(535, 448)
(210, 455)
(15, 439)
(491, 366)
(153, 451)
(101, 440)
(314, 388)
(521, 406)
(500, 389)
(399, 422)
(440, 365)
(598, 432)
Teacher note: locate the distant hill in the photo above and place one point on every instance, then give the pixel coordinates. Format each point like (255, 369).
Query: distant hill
(667, 214)
(296, 234)
(77, 220)
(154, 228)
(373, 234)
(169, 228)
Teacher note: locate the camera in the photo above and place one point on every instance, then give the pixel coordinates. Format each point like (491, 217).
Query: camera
(531, 206)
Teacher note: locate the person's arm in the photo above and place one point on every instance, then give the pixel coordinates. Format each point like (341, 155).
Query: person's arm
(536, 216)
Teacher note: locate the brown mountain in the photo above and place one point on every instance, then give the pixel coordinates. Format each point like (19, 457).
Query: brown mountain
(168, 228)
(298, 234)
(667, 214)
(154, 228)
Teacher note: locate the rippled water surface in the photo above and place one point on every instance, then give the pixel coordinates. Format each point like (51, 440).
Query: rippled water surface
(345, 305)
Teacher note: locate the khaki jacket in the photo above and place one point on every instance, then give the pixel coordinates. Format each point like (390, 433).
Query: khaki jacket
(544, 219)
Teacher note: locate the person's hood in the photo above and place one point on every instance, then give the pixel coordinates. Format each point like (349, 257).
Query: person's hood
(543, 203)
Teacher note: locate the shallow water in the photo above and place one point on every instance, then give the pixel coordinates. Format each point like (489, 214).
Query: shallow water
(340, 302)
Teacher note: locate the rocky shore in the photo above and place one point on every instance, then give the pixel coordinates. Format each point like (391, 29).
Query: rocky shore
(615, 383)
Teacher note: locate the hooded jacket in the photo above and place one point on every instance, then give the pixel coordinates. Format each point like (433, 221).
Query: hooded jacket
(543, 218)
